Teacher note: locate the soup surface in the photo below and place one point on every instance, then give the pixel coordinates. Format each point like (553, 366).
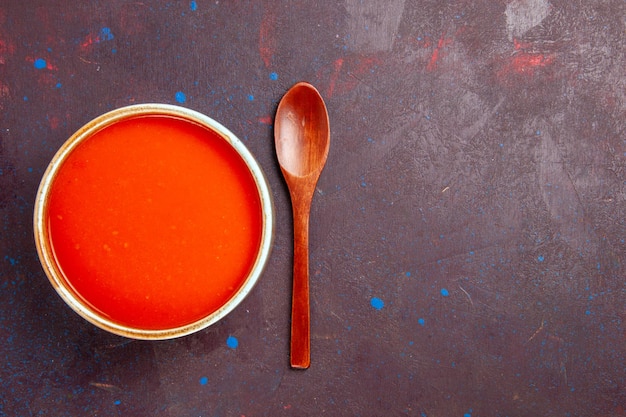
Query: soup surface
(154, 221)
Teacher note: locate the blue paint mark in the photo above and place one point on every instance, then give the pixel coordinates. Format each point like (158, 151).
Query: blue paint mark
(421, 322)
(467, 415)
(193, 6)
(444, 292)
(540, 258)
(117, 402)
(588, 312)
(25, 98)
(250, 97)
(204, 380)
(273, 76)
(408, 274)
(181, 97)
(106, 34)
(59, 85)
(538, 132)
(114, 50)
(377, 303)
(40, 63)
(232, 342)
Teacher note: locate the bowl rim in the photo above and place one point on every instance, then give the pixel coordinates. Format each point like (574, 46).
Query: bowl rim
(45, 251)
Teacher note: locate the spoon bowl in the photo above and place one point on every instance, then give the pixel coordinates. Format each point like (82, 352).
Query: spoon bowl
(303, 138)
(302, 135)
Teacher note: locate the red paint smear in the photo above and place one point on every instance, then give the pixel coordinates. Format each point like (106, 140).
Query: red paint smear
(49, 66)
(442, 43)
(266, 120)
(527, 63)
(334, 76)
(267, 40)
(6, 48)
(521, 45)
(89, 41)
(54, 121)
(344, 74)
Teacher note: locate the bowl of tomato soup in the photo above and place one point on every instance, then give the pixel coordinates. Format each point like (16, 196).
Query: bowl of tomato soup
(153, 221)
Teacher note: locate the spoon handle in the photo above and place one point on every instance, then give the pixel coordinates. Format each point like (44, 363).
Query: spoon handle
(300, 305)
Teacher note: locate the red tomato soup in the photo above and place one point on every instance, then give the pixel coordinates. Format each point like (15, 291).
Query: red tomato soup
(154, 221)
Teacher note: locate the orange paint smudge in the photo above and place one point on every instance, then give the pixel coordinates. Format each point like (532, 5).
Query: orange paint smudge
(107, 387)
(4, 93)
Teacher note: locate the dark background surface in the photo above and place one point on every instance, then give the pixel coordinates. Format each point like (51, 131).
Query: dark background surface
(467, 248)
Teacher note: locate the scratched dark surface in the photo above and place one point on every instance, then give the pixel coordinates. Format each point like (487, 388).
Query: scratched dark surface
(467, 248)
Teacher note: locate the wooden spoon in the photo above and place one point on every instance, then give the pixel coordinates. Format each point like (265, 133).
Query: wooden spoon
(302, 137)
